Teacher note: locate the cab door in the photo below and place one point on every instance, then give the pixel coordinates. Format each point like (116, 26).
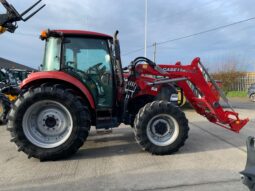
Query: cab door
(89, 60)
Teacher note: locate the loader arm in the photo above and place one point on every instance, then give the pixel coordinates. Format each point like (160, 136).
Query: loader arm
(199, 88)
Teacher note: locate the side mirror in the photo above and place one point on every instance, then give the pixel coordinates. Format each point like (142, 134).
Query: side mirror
(40, 67)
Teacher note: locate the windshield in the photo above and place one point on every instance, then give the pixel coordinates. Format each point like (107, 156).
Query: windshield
(51, 59)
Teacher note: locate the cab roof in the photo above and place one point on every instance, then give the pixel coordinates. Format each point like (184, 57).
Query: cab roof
(83, 33)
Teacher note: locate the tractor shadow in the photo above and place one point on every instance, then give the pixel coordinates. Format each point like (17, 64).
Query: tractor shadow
(121, 142)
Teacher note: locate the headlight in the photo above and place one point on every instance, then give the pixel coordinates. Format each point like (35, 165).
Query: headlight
(174, 98)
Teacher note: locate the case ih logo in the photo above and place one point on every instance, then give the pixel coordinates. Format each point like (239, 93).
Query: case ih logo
(175, 70)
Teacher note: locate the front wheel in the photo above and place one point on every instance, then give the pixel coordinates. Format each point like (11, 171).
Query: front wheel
(161, 128)
(49, 122)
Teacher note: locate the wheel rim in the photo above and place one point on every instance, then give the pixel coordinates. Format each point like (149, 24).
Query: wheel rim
(47, 124)
(162, 130)
(252, 97)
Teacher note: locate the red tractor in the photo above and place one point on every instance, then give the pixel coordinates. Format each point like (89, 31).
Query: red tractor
(82, 85)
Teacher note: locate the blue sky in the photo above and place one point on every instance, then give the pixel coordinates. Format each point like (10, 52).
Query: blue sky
(167, 19)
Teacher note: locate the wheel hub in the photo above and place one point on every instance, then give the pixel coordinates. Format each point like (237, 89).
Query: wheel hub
(51, 122)
(161, 128)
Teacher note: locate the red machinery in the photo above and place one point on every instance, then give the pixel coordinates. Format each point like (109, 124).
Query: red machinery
(82, 84)
(202, 92)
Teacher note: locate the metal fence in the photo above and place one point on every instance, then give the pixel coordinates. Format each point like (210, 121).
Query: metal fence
(243, 83)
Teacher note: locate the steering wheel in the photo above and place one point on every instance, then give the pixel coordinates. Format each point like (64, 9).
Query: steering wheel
(86, 75)
(96, 69)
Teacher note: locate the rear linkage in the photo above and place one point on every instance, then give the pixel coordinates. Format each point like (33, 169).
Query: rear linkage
(200, 89)
(8, 21)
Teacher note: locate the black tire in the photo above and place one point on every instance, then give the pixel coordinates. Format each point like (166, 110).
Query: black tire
(5, 106)
(152, 114)
(79, 114)
(252, 97)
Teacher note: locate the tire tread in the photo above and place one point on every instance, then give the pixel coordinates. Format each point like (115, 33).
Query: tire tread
(143, 117)
(65, 150)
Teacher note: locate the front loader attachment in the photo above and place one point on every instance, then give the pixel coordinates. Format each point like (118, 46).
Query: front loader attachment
(200, 89)
(205, 95)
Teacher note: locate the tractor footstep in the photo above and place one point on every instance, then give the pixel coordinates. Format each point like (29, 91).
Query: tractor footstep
(104, 131)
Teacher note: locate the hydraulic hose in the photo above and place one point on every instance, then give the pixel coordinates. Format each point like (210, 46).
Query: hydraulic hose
(143, 59)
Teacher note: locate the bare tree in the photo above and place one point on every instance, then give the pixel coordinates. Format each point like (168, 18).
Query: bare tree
(228, 73)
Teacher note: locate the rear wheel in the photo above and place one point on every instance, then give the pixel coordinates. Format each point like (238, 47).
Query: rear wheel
(161, 128)
(49, 123)
(252, 97)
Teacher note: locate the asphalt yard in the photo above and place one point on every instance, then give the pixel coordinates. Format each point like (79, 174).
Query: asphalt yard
(210, 160)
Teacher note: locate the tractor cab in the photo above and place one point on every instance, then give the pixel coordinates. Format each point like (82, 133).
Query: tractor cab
(87, 56)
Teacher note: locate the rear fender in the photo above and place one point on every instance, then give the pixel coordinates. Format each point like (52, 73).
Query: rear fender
(51, 76)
